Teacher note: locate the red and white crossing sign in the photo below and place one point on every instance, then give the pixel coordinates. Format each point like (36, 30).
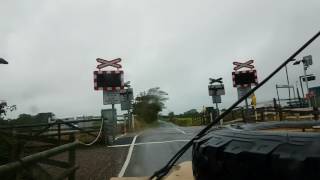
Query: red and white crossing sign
(106, 63)
(240, 65)
(108, 80)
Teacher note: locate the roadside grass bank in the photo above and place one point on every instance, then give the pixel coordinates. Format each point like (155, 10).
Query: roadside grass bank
(141, 125)
(186, 121)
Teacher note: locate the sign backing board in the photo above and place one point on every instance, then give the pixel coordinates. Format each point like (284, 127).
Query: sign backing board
(106, 114)
(126, 95)
(309, 78)
(242, 91)
(111, 97)
(216, 99)
(125, 105)
(108, 80)
(216, 90)
(244, 78)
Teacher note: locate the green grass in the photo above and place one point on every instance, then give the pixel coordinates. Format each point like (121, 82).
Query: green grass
(187, 121)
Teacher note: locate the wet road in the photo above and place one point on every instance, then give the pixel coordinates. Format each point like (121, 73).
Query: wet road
(154, 147)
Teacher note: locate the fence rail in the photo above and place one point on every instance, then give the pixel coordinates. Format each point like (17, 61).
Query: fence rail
(31, 164)
(240, 114)
(46, 131)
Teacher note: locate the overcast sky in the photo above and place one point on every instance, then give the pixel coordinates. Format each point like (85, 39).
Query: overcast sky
(177, 45)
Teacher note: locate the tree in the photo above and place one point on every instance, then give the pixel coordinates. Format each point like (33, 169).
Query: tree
(4, 108)
(191, 112)
(171, 116)
(149, 104)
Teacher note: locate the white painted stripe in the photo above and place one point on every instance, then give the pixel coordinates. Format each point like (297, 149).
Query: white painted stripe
(121, 145)
(120, 136)
(145, 143)
(180, 130)
(161, 142)
(126, 163)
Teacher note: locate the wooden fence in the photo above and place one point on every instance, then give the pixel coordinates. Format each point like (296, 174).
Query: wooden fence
(240, 114)
(50, 132)
(29, 167)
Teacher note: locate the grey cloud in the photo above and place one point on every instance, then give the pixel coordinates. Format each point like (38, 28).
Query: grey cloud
(52, 45)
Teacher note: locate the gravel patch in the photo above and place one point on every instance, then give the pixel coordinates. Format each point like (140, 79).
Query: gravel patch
(96, 162)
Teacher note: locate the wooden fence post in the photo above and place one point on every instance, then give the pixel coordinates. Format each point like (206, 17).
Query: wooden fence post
(72, 158)
(262, 114)
(243, 115)
(59, 133)
(280, 113)
(315, 113)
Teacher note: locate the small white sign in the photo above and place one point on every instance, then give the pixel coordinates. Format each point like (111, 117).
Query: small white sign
(216, 90)
(125, 105)
(242, 91)
(126, 95)
(216, 99)
(111, 97)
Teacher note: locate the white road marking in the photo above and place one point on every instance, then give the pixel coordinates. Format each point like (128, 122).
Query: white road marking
(120, 136)
(145, 143)
(161, 142)
(180, 130)
(121, 145)
(126, 163)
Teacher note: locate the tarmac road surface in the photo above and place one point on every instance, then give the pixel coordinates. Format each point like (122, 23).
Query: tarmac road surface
(153, 148)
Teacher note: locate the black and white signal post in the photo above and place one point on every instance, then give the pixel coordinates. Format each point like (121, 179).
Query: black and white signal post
(112, 84)
(216, 89)
(244, 79)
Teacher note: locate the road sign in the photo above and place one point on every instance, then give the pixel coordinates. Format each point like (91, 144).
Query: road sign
(126, 95)
(244, 78)
(309, 78)
(106, 63)
(219, 80)
(242, 91)
(216, 90)
(111, 97)
(239, 65)
(126, 105)
(216, 99)
(108, 80)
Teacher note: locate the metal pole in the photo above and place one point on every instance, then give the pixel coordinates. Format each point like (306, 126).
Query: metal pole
(301, 87)
(299, 96)
(113, 124)
(218, 113)
(288, 83)
(278, 95)
(306, 81)
(247, 109)
(294, 93)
